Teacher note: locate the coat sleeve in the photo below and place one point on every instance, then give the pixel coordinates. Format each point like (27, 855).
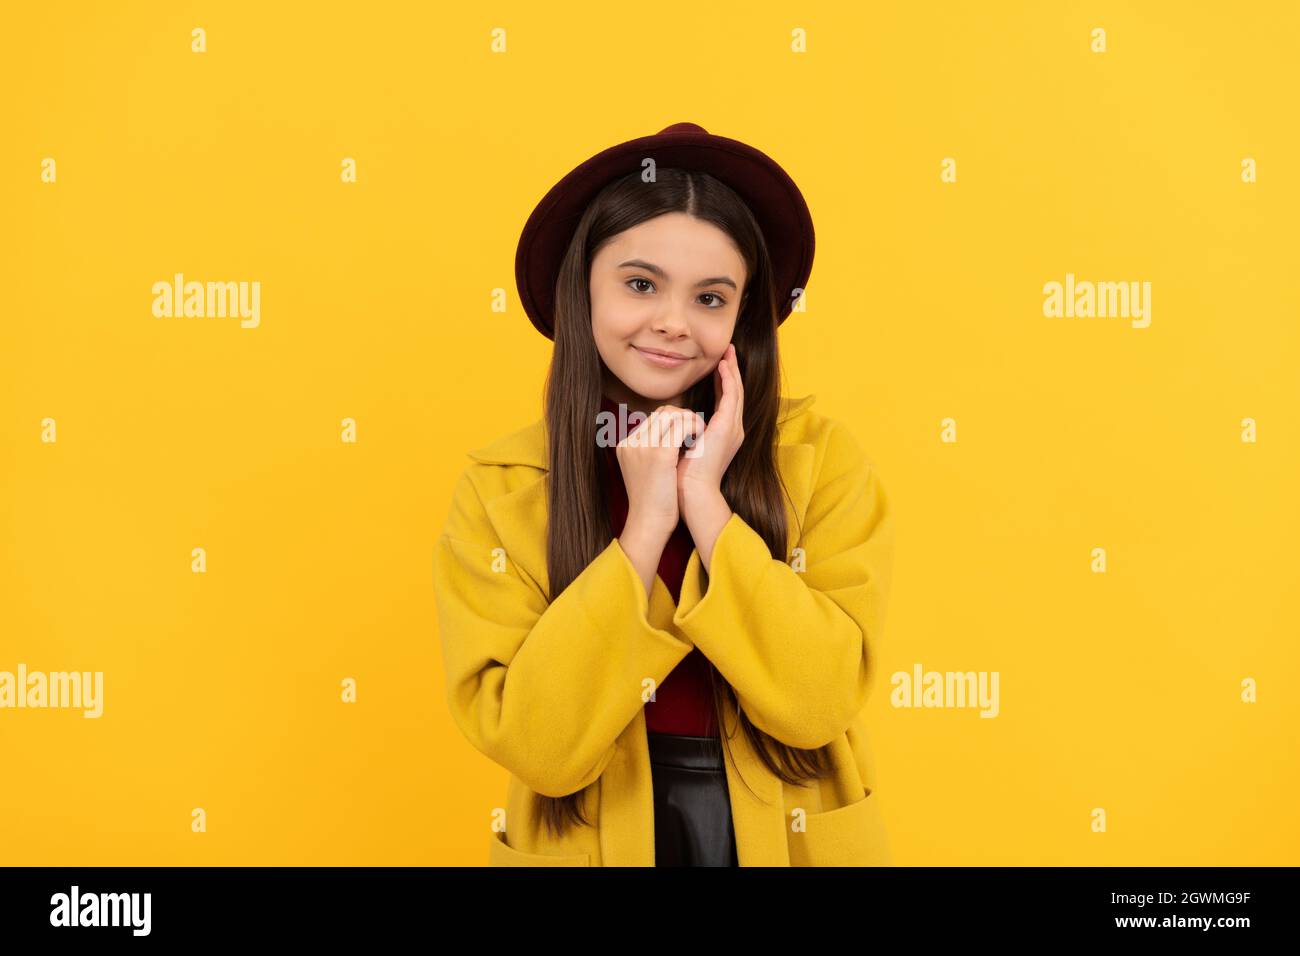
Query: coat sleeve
(542, 689)
(799, 647)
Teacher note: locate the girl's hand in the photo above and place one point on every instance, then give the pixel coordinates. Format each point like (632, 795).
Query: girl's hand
(648, 459)
(700, 470)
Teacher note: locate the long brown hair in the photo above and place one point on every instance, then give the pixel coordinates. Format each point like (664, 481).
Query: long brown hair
(578, 527)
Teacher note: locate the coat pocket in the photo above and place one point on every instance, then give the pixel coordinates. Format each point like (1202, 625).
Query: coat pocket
(852, 835)
(503, 854)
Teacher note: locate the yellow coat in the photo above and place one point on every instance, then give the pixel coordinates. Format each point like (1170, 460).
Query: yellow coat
(553, 691)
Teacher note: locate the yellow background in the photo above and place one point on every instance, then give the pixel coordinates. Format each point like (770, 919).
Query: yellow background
(1118, 690)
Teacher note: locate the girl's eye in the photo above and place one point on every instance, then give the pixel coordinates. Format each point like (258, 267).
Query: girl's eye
(712, 295)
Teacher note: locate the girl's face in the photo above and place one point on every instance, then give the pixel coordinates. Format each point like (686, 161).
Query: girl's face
(670, 284)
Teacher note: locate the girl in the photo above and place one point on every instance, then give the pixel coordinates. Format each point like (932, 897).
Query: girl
(660, 605)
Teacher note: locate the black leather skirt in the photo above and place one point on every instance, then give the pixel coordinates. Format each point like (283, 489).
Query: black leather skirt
(693, 825)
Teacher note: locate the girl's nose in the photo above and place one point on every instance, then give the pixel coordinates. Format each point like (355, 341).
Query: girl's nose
(671, 321)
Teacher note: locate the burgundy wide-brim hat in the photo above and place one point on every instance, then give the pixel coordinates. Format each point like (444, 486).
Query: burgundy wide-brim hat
(766, 188)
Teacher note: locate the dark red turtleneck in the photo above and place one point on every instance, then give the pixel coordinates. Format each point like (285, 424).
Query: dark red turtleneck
(683, 703)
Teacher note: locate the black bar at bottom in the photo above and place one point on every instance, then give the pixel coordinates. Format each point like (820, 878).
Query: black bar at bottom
(207, 904)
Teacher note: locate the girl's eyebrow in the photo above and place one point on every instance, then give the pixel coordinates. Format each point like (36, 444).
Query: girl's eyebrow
(651, 267)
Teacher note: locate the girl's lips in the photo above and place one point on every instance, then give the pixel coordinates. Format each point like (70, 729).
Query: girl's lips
(662, 361)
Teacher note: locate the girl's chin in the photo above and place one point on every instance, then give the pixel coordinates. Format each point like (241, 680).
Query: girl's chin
(656, 391)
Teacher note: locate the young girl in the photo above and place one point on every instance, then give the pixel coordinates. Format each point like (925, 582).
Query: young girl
(660, 605)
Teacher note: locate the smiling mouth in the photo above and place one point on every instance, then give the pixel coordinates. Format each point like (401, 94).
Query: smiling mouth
(662, 361)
